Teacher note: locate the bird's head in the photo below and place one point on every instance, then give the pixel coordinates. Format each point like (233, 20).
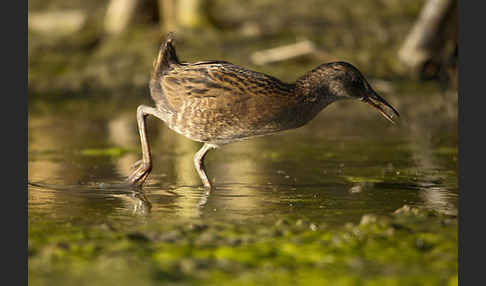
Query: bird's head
(340, 80)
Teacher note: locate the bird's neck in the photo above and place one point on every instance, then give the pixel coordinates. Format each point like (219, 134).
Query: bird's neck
(313, 91)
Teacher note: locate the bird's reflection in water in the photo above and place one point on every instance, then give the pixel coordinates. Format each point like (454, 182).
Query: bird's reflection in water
(136, 201)
(204, 199)
(183, 201)
(189, 203)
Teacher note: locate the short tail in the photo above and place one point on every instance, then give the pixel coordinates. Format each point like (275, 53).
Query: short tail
(167, 56)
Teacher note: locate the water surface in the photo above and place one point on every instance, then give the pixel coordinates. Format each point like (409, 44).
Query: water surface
(345, 163)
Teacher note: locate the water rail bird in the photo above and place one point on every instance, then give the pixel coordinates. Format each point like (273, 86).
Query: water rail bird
(216, 102)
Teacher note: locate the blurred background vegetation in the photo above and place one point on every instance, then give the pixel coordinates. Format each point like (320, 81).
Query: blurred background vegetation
(77, 47)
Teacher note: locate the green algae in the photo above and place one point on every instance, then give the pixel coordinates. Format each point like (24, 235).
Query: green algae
(410, 247)
(363, 179)
(112, 151)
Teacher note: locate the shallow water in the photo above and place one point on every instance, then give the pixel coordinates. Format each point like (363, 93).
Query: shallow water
(312, 206)
(345, 163)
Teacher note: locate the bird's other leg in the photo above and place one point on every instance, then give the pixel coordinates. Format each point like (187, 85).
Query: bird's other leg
(139, 175)
(199, 163)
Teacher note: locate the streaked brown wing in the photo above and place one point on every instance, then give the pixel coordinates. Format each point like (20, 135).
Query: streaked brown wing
(222, 101)
(222, 86)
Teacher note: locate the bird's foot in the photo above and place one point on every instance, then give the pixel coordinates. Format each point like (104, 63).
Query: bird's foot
(139, 176)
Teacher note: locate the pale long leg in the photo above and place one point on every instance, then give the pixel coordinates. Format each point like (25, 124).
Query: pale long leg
(139, 176)
(199, 163)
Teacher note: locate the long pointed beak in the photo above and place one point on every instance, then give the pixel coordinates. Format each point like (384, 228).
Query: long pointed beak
(378, 102)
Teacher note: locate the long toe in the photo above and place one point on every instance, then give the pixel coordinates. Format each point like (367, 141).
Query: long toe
(139, 176)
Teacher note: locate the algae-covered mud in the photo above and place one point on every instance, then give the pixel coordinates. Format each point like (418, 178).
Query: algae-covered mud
(313, 206)
(412, 247)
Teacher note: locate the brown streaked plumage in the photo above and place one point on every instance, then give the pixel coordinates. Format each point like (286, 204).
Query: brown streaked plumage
(216, 102)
